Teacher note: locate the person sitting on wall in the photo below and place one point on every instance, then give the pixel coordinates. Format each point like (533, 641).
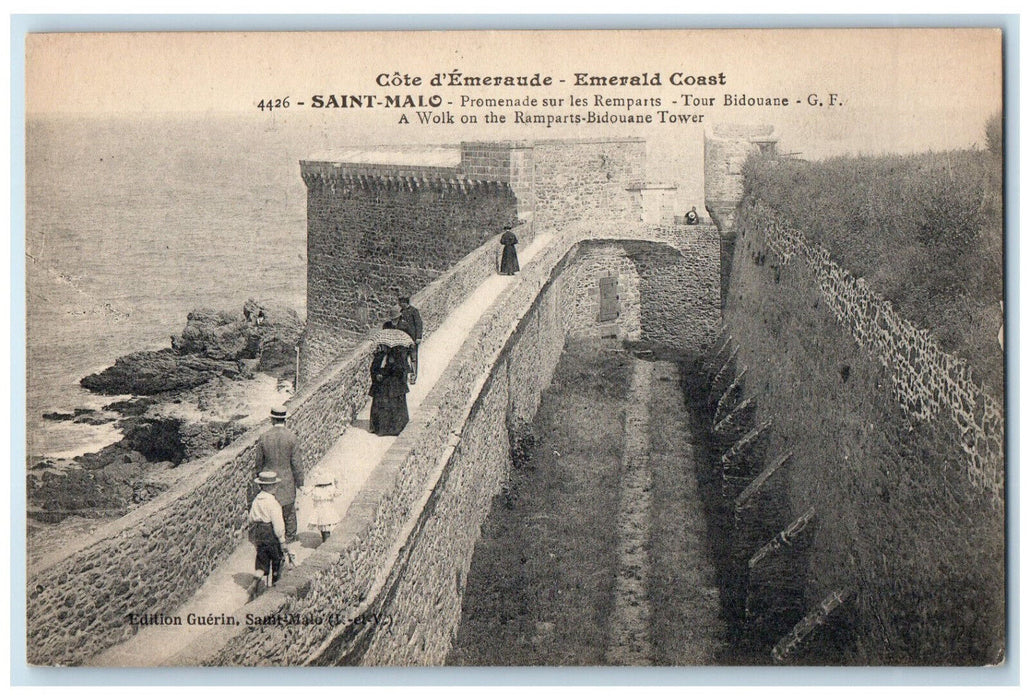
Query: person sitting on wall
(409, 320)
(692, 218)
(267, 532)
(509, 257)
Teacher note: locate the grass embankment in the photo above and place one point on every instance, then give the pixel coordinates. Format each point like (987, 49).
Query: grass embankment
(925, 231)
(539, 590)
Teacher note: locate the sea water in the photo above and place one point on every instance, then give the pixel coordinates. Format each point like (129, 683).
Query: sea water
(130, 224)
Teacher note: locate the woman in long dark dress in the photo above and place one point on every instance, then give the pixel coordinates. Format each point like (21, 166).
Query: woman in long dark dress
(389, 390)
(509, 258)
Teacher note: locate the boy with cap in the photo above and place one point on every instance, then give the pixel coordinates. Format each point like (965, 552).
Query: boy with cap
(267, 530)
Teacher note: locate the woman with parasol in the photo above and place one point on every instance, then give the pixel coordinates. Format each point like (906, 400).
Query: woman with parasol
(389, 370)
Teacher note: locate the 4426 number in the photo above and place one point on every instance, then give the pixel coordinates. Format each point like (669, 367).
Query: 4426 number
(277, 103)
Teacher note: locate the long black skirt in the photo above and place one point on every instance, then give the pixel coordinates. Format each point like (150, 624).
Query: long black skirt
(509, 260)
(389, 414)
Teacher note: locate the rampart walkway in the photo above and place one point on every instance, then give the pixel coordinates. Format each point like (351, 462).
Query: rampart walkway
(353, 458)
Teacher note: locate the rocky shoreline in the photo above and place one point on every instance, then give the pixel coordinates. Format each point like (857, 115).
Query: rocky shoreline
(216, 380)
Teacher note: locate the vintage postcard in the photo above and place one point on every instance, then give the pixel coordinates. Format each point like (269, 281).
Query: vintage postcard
(515, 348)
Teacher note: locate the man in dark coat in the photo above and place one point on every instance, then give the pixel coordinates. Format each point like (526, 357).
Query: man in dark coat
(277, 451)
(409, 320)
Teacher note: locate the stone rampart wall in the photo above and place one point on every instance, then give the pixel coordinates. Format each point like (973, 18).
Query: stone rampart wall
(587, 181)
(150, 561)
(189, 529)
(372, 238)
(928, 383)
(583, 293)
(668, 294)
(890, 440)
(401, 554)
(359, 570)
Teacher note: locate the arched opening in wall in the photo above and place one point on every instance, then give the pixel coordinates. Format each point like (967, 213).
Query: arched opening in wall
(648, 294)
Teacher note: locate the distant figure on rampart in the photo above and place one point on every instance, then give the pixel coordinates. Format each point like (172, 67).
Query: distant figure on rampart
(389, 369)
(509, 258)
(277, 451)
(692, 218)
(409, 320)
(267, 532)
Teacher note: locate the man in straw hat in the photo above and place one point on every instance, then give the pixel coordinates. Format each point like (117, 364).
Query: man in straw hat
(277, 452)
(267, 530)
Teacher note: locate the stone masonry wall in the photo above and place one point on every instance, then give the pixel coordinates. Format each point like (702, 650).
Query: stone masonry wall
(431, 583)
(727, 146)
(78, 603)
(124, 565)
(345, 574)
(400, 556)
(587, 181)
(583, 293)
(668, 296)
(375, 231)
(903, 454)
(928, 383)
(503, 161)
(372, 237)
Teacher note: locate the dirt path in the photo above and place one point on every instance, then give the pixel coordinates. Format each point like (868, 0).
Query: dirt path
(629, 634)
(684, 597)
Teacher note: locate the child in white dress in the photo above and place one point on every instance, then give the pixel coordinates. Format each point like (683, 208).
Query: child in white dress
(324, 490)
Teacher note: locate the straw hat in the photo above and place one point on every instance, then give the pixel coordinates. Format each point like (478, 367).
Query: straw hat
(267, 478)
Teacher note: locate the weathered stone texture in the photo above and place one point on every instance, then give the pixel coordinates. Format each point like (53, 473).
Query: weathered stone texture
(928, 383)
(376, 230)
(584, 292)
(668, 295)
(727, 146)
(148, 562)
(903, 452)
(587, 181)
(371, 238)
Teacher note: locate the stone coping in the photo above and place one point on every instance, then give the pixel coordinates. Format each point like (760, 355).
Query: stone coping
(435, 156)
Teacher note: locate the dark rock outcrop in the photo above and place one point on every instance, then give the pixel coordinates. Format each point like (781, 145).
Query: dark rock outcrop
(156, 371)
(213, 344)
(265, 332)
(219, 335)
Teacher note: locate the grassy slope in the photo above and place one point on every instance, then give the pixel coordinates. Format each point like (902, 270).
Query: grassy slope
(540, 587)
(924, 231)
